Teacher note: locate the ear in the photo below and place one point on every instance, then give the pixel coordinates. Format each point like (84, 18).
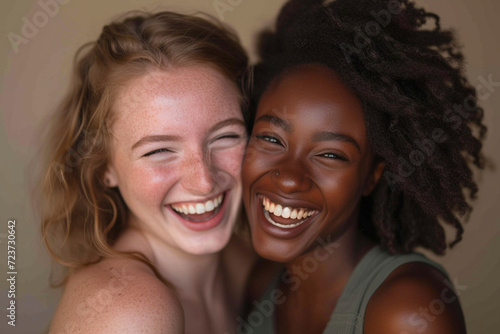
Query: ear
(375, 174)
(110, 177)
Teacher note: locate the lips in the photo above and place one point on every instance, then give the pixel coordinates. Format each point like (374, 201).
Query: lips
(285, 220)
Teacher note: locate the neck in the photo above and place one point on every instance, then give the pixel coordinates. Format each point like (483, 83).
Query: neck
(193, 276)
(330, 262)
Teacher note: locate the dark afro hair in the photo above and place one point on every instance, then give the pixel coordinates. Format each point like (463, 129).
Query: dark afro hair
(421, 113)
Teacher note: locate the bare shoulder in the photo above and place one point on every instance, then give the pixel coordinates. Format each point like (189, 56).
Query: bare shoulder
(415, 298)
(117, 296)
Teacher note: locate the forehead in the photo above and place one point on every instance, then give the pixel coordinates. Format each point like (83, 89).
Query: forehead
(186, 94)
(191, 84)
(314, 91)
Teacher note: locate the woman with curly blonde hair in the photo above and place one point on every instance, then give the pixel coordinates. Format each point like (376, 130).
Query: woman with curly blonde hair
(141, 189)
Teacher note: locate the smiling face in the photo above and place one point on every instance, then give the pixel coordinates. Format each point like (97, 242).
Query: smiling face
(307, 164)
(177, 148)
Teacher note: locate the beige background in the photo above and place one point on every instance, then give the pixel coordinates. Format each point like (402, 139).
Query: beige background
(34, 79)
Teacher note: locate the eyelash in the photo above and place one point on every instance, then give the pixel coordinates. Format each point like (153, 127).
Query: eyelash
(270, 139)
(156, 151)
(231, 136)
(274, 140)
(334, 156)
(161, 150)
(226, 141)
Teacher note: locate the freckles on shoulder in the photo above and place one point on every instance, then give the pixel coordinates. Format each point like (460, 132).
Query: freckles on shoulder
(415, 298)
(117, 298)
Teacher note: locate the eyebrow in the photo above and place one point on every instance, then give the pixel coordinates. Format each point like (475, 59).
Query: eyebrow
(167, 138)
(155, 139)
(227, 122)
(327, 136)
(275, 121)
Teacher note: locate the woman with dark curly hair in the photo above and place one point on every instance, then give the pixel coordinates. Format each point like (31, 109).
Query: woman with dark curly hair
(364, 129)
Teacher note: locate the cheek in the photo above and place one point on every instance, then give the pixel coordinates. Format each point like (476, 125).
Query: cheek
(230, 160)
(248, 170)
(149, 184)
(342, 191)
(254, 164)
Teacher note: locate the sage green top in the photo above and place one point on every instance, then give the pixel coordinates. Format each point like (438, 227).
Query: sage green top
(349, 313)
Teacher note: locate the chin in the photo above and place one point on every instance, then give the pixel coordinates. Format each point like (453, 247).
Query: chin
(270, 249)
(208, 244)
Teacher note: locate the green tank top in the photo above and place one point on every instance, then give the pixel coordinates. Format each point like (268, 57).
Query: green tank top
(348, 315)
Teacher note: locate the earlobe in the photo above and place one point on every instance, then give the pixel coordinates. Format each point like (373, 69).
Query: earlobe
(110, 178)
(374, 177)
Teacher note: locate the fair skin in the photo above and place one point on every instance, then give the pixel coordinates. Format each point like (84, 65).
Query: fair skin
(177, 148)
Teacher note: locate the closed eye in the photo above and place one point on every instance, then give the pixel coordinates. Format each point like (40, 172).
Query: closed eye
(230, 136)
(161, 150)
(228, 140)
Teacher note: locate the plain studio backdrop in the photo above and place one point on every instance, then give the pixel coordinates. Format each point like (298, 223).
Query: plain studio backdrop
(38, 41)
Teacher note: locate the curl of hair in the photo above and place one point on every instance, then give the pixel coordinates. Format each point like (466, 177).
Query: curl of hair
(408, 74)
(81, 217)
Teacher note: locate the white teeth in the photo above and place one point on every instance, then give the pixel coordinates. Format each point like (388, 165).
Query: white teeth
(209, 206)
(199, 208)
(278, 210)
(285, 211)
(269, 219)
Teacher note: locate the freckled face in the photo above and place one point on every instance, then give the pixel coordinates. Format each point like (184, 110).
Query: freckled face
(177, 148)
(307, 164)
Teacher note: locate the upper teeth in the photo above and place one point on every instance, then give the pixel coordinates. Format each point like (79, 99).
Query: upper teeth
(198, 208)
(285, 211)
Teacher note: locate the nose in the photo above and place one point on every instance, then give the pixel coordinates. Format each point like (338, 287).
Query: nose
(289, 177)
(199, 176)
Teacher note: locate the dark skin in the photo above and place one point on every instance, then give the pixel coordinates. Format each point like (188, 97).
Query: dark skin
(309, 150)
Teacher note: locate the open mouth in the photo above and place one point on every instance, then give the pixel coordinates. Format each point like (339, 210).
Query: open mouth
(201, 211)
(285, 216)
